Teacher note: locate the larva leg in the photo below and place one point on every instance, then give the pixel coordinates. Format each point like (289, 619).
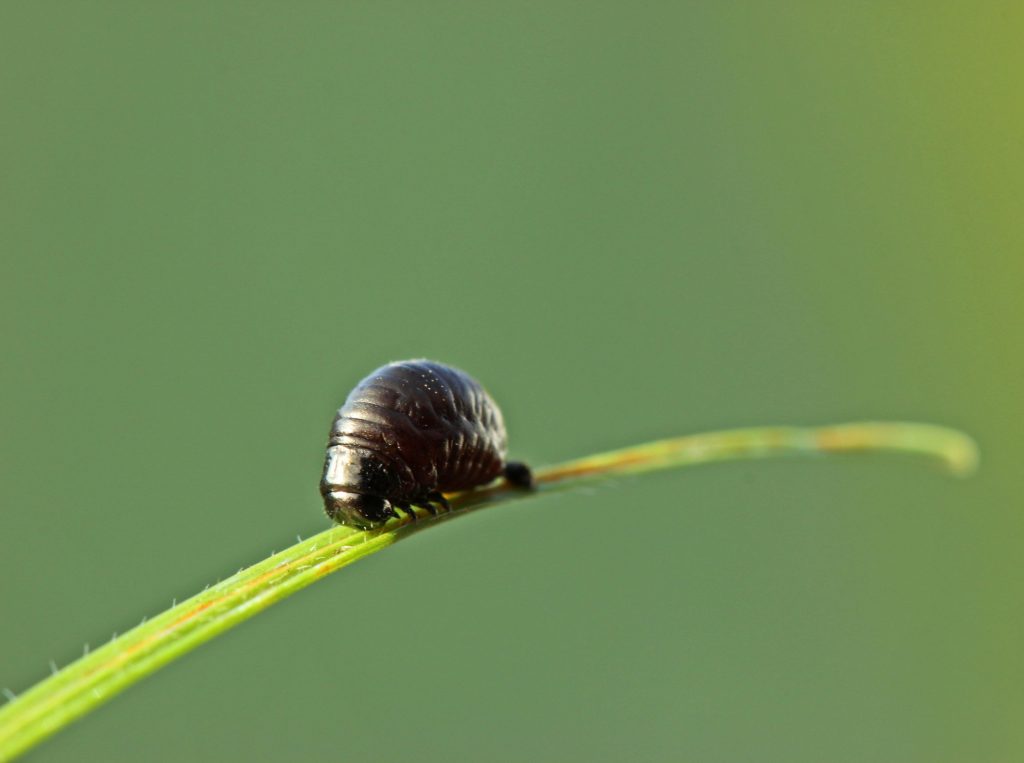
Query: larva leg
(519, 474)
(437, 497)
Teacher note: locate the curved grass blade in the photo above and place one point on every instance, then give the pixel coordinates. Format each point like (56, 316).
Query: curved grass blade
(97, 677)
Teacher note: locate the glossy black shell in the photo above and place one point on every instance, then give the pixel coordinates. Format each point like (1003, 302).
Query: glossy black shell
(408, 432)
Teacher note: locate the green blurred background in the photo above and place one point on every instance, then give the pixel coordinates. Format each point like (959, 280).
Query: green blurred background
(628, 221)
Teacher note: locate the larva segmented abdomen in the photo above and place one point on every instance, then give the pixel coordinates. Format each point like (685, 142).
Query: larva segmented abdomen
(434, 427)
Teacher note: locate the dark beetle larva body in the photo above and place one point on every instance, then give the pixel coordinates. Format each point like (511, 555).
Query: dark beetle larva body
(407, 433)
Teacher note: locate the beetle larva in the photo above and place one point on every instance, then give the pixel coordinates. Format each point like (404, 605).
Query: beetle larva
(408, 433)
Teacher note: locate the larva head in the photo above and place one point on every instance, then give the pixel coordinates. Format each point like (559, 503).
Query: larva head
(357, 509)
(355, 486)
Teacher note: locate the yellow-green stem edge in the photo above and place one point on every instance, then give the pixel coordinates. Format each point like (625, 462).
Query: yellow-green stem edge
(95, 678)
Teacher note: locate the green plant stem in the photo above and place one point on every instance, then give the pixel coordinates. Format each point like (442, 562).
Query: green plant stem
(97, 677)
